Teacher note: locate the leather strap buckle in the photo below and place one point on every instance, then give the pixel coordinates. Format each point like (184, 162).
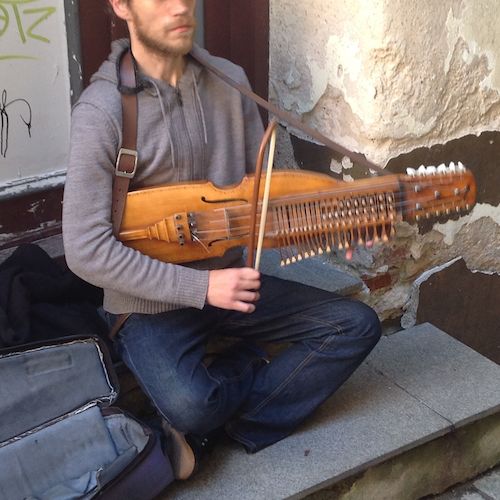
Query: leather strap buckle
(124, 173)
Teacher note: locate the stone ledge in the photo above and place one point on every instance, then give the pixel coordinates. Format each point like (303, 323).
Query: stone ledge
(428, 469)
(318, 272)
(53, 245)
(417, 386)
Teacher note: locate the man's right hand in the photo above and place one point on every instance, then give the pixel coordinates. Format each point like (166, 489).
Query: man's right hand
(235, 289)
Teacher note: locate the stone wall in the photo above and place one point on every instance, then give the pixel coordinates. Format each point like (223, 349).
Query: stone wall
(405, 83)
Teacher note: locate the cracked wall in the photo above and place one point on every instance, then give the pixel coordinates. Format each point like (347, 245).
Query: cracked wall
(405, 84)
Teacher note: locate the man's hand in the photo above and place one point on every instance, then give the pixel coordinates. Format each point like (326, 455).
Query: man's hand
(234, 289)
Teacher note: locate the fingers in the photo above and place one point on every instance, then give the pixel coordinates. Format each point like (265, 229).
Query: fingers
(243, 307)
(247, 296)
(234, 289)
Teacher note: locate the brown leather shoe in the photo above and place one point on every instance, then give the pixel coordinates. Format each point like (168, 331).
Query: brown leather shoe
(180, 453)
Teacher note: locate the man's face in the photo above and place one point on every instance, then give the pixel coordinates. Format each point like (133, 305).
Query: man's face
(166, 27)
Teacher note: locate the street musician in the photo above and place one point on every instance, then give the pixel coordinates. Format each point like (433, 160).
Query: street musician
(193, 126)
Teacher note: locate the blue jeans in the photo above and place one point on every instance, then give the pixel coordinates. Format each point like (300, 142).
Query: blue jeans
(258, 403)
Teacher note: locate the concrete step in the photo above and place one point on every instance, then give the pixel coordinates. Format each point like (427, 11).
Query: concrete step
(422, 413)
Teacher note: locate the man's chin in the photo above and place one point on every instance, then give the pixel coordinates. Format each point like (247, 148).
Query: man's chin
(181, 46)
(172, 49)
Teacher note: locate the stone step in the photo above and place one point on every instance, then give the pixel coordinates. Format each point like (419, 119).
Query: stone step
(420, 389)
(318, 272)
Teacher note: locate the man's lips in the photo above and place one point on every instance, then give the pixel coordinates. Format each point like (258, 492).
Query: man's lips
(183, 28)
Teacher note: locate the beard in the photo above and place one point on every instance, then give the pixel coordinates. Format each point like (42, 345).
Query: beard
(178, 45)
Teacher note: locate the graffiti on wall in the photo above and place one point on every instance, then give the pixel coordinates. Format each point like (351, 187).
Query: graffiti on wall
(24, 19)
(25, 106)
(35, 94)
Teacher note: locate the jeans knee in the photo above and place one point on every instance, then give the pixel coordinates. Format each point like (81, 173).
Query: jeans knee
(191, 414)
(368, 324)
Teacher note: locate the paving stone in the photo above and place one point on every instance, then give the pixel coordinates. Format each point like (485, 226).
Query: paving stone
(441, 372)
(318, 272)
(490, 484)
(367, 421)
(472, 496)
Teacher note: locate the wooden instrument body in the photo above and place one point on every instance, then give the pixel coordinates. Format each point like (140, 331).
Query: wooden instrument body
(197, 220)
(173, 203)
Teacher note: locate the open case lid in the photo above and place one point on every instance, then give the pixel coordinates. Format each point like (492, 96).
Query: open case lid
(42, 382)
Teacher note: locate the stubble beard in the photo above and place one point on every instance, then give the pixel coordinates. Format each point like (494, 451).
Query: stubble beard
(163, 47)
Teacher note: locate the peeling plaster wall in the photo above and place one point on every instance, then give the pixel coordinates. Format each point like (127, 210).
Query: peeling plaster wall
(383, 77)
(404, 83)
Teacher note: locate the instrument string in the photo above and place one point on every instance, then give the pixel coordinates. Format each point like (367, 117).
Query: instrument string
(240, 219)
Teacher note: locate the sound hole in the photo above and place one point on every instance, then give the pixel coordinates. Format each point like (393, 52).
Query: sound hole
(227, 200)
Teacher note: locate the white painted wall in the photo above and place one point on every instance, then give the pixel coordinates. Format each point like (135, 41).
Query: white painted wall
(34, 83)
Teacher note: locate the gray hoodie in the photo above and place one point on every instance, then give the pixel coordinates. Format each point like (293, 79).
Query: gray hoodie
(202, 129)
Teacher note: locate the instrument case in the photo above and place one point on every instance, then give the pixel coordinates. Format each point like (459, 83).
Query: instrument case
(59, 436)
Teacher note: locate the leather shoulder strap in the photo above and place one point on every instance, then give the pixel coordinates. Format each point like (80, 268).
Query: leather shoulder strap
(126, 162)
(287, 117)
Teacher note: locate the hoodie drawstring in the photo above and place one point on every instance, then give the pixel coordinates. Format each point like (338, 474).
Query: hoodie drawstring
(198, 98)
(164, 114)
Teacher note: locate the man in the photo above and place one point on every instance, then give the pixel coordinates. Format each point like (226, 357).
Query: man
(193, 126)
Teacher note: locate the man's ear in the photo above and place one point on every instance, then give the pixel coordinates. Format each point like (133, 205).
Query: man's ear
(121, 9)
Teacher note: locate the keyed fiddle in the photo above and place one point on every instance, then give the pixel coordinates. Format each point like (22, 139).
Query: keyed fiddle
(308, 213)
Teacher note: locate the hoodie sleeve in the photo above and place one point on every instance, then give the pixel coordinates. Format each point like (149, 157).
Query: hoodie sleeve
(92, 252)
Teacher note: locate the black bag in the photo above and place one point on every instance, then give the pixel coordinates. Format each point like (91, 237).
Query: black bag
(59, 438)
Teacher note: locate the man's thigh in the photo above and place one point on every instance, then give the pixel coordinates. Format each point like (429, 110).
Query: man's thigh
(290, 311)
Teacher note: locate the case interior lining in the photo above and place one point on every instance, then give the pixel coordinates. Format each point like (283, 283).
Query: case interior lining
(43, 384)
(70, 459)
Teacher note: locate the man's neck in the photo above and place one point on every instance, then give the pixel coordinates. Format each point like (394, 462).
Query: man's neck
(168, 68)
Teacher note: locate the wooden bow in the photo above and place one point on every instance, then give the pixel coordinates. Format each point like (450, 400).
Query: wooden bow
(253, 249)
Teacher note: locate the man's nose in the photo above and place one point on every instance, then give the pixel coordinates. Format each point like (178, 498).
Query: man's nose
(182, 7)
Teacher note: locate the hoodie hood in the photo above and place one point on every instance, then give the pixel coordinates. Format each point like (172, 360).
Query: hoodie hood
(107, 70)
